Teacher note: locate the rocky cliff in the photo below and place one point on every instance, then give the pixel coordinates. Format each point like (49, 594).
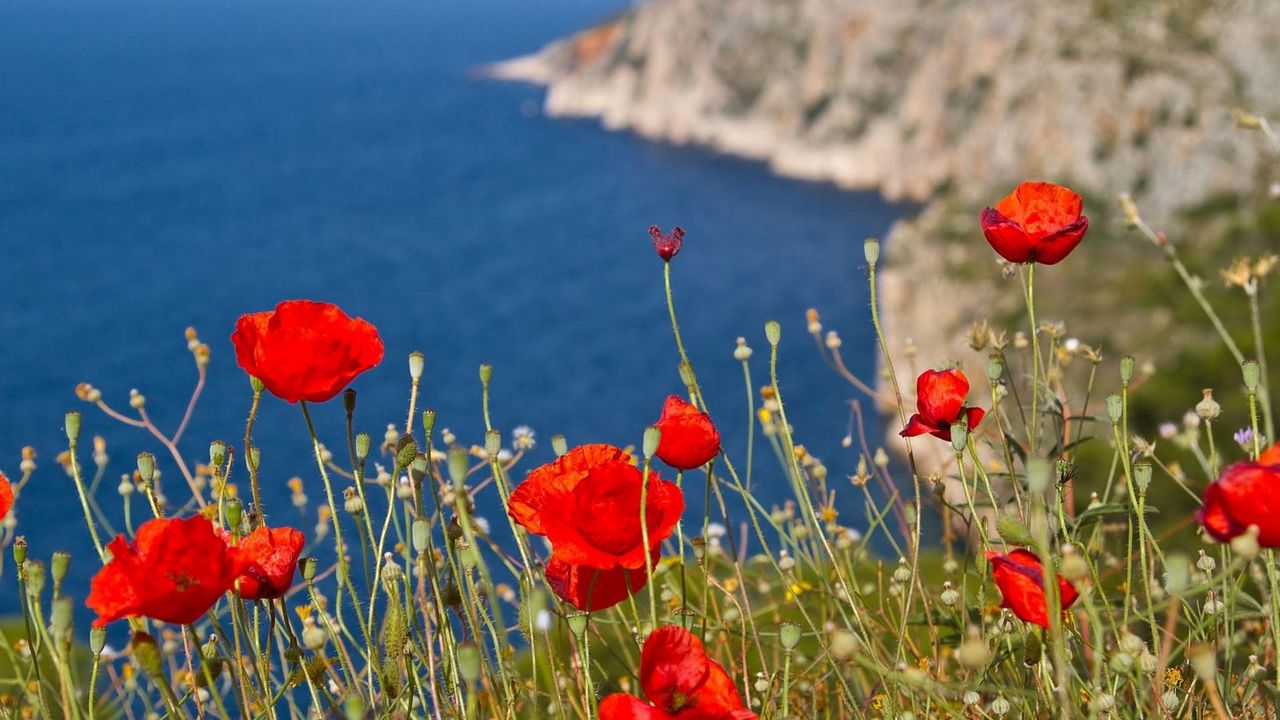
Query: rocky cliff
(945, 102)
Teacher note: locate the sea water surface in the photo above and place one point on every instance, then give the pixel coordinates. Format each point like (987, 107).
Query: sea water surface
(165, 165)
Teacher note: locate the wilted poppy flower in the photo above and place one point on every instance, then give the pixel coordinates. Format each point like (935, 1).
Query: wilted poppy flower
(667, 245)
(1037, 222)
(266, 559)
(6, 496)
(305, 350)
(681, 682)
(587, 503)
(689, 438)
(1020, 577)
(592, 589)
(1246, 493)
(173, 571)
(940, 396)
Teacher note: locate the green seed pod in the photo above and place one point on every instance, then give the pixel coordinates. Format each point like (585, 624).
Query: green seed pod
(469, 662)
(428, 422)
(652, 438)
(35, 577)
(1115, 408)
(1142, 476)
(97, 640)
(459, 461)
(871, 251)
(789, 634)
(417, 362)
(406, 450)
(486, 373)
(146, 467)
(363, 442)
(217, 453)
(559, 445)
(349, 401)
(421, 536)
(1252, 375)
(492, 442)
(773, 332)
(20, 551)
(147, 653)
(578, 623)
(58, 567)
(234, 511)
(257, 385)
(995, 368)
(959, 436)
(71, 422)
(1127, 364)
(308, 566)
(418, 468)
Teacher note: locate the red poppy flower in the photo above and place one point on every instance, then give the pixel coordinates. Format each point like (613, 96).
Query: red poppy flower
(1037, 222)
(587, 503)
(689, 438)
(173, 571)
(305, 350)
(667, 245)
(940, 396)
(6, 496)
(267, 559)
(1246, 493)
(592, 589)
(681, 682)
(1020, 577)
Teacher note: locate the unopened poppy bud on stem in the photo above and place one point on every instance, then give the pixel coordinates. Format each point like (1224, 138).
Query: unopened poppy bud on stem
(1127, 364)
(421, 536)
(789, 634)
(652, 437)
(960, 435)
(349, 401)
(773, 332)
(234, 512)
(871, 251)
(97, 640)
(307, 565)
(217, 453)
(71, 422)
(492, 442)
(1252, 375)
(428, 421)
(146, 466)
(58, 567)
(1115, 408)
(363, 442)
(1142, 476)
(995, 368)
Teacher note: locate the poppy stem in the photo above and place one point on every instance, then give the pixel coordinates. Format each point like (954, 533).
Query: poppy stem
(1033, 432)
(644, 533)
(248, 443)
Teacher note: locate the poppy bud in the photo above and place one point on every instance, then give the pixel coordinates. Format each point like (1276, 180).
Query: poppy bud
(363, 443)
(418, 468)
(486, 373)
(58, 568)
(652, 437)
(421, 536)
(1177, 573)
(146, 467)
(789, 634)
(428, 422)
(308, 567)
(578, 623)
(559, 445)
(1127, 363)
(349, 401)
(1252, 375)
(871, 251)
(492, 442)
(667, 246)
(20, 551)
(217, 453)
(773, 332)
(234, 512)
(417, 362)
(256, 385)
(71, 422)
(1115, 408)
(1142, 476)
(458, 464)
(1208, 408)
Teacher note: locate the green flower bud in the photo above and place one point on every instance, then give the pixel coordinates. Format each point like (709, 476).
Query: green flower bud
(146, 467)
(960, 436)
(417, 362)
(789, 634)
(578, 623)
(421, 536)
(1252, 375)
(1127, 363)
(35, 577)
(995, 368)
(428, 422)
(559, 445)
(486, 373)
(217, 453)
(257, 385)
(418, 468)
(773, 332)
(97, 640)
(652, 437)
(308, 567)
(363, 442)
(1142, 476)
(349, 401)
(871, 251)
(492, 442)
(459, 462)
(71, 422)
(58, 567)
(1115, 408)
(234, 511)
(20, 551)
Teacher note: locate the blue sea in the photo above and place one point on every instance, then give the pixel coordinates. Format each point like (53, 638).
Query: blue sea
(165, 165)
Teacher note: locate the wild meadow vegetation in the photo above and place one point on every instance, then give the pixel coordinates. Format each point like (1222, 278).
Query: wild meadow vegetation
(1028, 578)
